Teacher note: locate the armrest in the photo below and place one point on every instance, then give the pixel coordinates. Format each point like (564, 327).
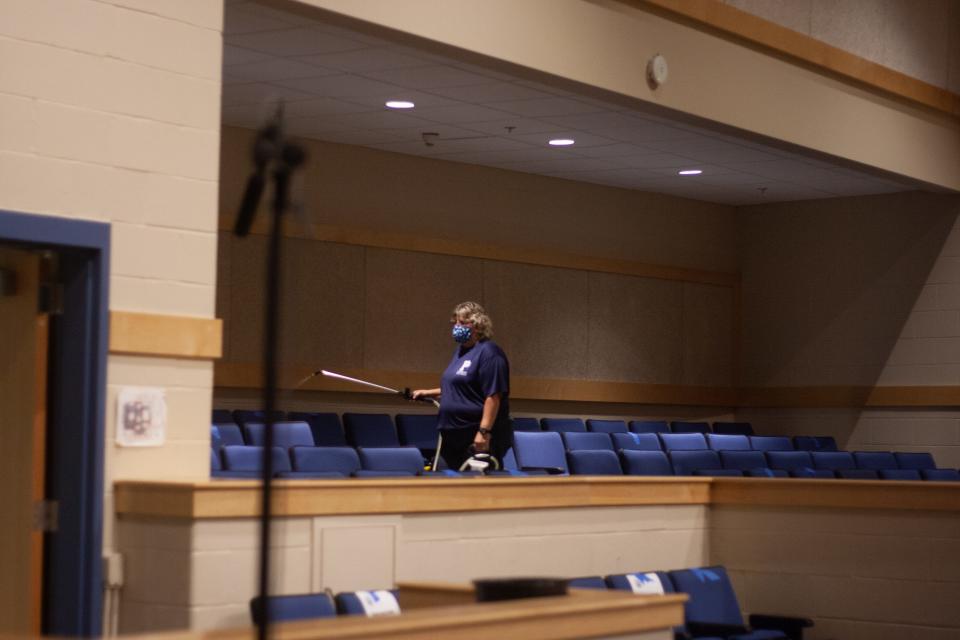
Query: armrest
(715, 629)
(791, 625)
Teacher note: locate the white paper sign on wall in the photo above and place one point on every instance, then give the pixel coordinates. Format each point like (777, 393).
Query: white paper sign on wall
(141, 417)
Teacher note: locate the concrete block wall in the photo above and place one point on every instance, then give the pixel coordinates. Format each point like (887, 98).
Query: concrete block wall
(110, 111)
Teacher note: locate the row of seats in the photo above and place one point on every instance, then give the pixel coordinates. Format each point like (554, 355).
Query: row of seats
(306, 606)
(711, 612)
(242, 461)
(688, 454)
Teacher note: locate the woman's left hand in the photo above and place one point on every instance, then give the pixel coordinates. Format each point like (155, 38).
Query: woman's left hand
(481, 443)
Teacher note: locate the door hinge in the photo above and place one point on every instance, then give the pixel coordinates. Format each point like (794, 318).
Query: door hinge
(46, 515)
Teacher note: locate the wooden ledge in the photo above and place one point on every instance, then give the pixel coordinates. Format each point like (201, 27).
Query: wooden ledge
(241, 498)
(152, 334)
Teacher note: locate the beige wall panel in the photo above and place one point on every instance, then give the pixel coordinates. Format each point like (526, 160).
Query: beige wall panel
(220, 617)
(635, 330)
(708, 317)
(354, 558)
(540, 318)
(138, 617)
(231, 576)
(408, 301)
(215, 535)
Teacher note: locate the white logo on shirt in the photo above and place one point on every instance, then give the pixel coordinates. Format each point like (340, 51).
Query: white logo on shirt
(462, 371)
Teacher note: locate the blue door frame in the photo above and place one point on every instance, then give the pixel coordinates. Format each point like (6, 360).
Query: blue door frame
(76, 392)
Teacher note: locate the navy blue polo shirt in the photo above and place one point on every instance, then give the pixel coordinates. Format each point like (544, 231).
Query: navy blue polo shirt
(473, 375)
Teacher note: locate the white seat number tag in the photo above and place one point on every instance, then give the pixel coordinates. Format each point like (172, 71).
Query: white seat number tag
(378, 603)
(645, 583)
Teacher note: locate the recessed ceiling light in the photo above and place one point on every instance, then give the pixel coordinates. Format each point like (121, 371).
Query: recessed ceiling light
(399, 104)
(690, 172)
(561, 142)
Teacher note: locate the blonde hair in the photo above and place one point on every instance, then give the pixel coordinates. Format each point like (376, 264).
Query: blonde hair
(473, 312)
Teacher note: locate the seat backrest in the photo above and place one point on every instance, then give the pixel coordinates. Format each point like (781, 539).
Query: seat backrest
(645, 463)
(594, 463)
(285, 434)
(367, 603)
(326, 428)
(650, 582)
(577, 440)
(770, 443)
(712, 599)
(815, 443)
(243, 416)
(562, 424)
(606, 426)
(293, 607)
(724, 442)
(221, 415)
(526, 424)
(684, 426)
(875, 460)
(766, 472)
(402, 460)
(539, 450)
(833, 460)
(789, 460)
(649, 426)
(686, 463)
(230, 434)
(215, 441)
(900, 474)
(342, 460)
(418, 430)
(743, 460)
(914, 460)
(940, 475)
(587, 582)
(370, 430)
(683, 441)
(858, 474)
(215, 464)
(636, 441)
(733, 428)
(243, 458)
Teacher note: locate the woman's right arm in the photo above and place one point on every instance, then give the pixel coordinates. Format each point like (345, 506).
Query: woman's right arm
(425, 393)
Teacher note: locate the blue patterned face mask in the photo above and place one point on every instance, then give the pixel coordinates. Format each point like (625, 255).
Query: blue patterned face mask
(462, 333)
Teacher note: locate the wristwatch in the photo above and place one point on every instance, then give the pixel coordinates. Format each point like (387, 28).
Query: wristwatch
(485, 432)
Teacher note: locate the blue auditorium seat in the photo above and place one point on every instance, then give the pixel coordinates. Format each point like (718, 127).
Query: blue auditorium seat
(752, 463)
(899, 474)
(293, 607)
(689, 463)
(243, 416)
(324, 462)
(606, 426)
(766, 473)
(526, 424)
(728, 442)
(683, 441)
(815, 443)
(326, 428)
(215, 464)
(792, 462)
(806, 472)
(713, 611)
(641, 582)
(418, 430)
(229, 433)
(397, 461)
(940, 475)
(352, 603)
(594, 463)
(562, 424)
(918, 461)
(540, 451)
(636, 441)
(875, 460)
(645, 463)
(587, 582)
(577, 440)
(858, 474)
(649, 426)
(770, 443)
(247, 462)
(221, 415)
(285, 434)
(370, 430)
(684, 426)
(215, 441)
(733, 428)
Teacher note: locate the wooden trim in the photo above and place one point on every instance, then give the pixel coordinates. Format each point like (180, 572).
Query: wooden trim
(849, 397)
(843, 494)
(244, 375)
(943, 396)
(523, 255)
(802, 48)
(169, 336)
(241, 498)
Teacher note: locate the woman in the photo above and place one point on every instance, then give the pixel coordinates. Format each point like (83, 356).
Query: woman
(474, 391)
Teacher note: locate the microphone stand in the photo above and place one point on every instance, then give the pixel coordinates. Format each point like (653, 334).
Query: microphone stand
(270, 150)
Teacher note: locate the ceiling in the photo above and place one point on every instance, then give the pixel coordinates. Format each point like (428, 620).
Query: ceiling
(334, 83)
